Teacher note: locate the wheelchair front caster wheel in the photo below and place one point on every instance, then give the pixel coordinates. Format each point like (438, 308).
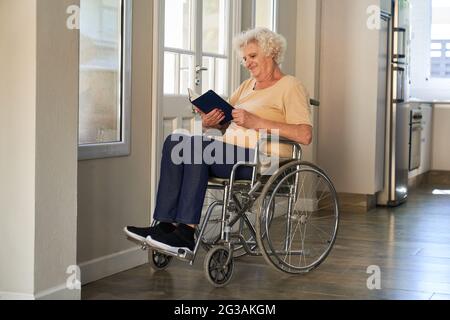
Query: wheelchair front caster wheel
(218, 267)
(159, 261)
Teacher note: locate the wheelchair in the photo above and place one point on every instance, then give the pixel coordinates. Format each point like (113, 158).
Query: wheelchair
(290, 218)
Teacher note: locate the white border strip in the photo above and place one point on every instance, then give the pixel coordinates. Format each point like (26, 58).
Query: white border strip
(56, 293)
(15, 296)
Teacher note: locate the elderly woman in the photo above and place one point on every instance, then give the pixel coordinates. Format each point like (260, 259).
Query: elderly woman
(269, 100)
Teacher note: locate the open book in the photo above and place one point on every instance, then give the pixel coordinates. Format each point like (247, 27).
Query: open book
(210, 101)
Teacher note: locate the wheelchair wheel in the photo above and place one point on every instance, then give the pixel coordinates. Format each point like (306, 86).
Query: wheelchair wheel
(298, 217)
(219, 266)
(159, 261)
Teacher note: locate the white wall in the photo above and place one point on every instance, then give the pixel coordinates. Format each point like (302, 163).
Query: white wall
(308, 59)
(39, 102)
(441, 133)
(17, 143)
(348, 94)
(287, 26)
(56, 149)
(115, 192)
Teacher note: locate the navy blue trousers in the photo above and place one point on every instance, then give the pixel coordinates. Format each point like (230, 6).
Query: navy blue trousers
(186, 165)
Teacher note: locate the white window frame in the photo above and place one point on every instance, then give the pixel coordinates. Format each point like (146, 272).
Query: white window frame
(228, 55)
(275, 20)
(123, 147)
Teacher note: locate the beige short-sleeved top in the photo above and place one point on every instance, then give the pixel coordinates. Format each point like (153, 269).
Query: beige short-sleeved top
(287, 101)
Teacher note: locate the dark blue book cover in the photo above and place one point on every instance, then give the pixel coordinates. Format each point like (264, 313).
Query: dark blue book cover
(210, 101)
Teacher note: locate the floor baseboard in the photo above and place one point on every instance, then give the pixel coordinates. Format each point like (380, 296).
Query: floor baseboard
(60, 292)
(438, 178)
(356, 203)
(109, 265)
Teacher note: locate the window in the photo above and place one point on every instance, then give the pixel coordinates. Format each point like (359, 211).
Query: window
(215, 46)
(186, 46)
(105, 78)
(266, 13)
(440, 39)
(179, 46)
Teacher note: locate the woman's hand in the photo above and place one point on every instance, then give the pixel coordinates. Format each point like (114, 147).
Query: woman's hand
(212, 119)
(246, 119)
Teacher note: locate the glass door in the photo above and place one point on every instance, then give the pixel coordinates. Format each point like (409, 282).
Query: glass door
(215, 46)
(196, 55)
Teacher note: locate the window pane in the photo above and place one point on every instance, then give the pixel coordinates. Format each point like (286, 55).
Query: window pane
(436, 46)
(436, 54)
(440, 37)
(178, 73)
(435, 70)
(208, 76)
(170, 74)
(221, 76)
(440, 28)
(264, 14)
(100, 71)
(435, 66)
(440, 31)
(178, 24)
(186, 73)
(216, 76)
(215, 26)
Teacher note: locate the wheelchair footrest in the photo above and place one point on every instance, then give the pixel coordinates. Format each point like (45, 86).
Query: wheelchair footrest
(180, 254)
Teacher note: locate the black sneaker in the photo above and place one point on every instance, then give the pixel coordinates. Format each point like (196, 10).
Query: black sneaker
(182, 239)
(161, 228)
(139, 234)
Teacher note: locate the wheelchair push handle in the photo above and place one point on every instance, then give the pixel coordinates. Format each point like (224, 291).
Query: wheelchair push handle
(314, 102)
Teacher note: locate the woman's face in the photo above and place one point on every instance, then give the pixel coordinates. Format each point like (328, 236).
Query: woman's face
(254, 59)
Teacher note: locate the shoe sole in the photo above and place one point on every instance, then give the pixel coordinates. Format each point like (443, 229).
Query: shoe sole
(159, 245)
(134, 235)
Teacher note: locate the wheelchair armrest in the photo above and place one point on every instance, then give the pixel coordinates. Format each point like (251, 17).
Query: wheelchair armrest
(271, 137)
(243, 164)
(297, 151)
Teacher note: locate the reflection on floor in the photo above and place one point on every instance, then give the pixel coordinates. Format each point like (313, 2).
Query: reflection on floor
(410, 245)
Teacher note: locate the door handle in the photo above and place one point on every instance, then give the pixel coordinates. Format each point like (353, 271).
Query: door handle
(199, 69)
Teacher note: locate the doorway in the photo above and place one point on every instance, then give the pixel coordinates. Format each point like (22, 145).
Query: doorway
(193, 50)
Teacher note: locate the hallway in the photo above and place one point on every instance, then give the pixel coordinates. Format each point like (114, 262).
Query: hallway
(410, 245)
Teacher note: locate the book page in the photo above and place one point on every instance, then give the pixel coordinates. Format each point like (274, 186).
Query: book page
(192, 95)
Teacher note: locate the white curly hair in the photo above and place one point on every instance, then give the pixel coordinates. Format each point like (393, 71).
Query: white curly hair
(271, 43)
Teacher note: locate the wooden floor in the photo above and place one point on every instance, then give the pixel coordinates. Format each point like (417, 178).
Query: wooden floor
(410, 245)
